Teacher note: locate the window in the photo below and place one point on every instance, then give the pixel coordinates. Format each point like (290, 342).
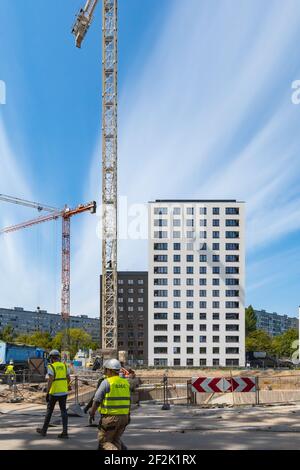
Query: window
(190, 305)
(161, 234)
(189, 327)
(232, 351)
(190, 234)
(176, 282)
(216, 234)
(232, 270)
(160, 350)
(232, 282)
(130, 282)
(190, 362)
(216, 362)
(216, 339)
(203, 258)
(232, 316)
(216, 211)
(216, 350)
(160, 258)
(190, 282)
(160, 222)
(176, 234)
(189, 258)
(202, 293)
(202, 362)
(160, 270)
(190, 211)
(160, 339)
(120, 300)
(232, 362)
(160, 282)
(231, 234)
(190, 316)
(176, 315)
(160, 210)
(176, 269)
(176, 223)
(203, 246)
(216, 246)
(216, 223)
(176, 293)
(202, 327)
(176, 304)
(232, 304)
(202, 304)
(232, 210)
(202, 339)
(216, 258)
(176, 362)
(160, 316)
(202, 270)
(160, 327)
(189, 270)
(140, 282)
(176, 258)
(176, 211)
(216, 327)
(190, 350)
(203, 211)
(216, 282)
(232, 223)
(202, 350)
(190, 293)
(190, 246)
(160, 304)
(216, 316)
(176, 246)
(203, 234)
(216, 270)
(232, 339)
(161, 362)
(121, 291)
(190, 222)
(232, 328)
(216, 304)
(203, 222)
(232, 293)
(232, 246)
(216, 293)
(202, 281)
(176, 350)
(120, 281)
(176, 339)
(176, 327)
(140, 291)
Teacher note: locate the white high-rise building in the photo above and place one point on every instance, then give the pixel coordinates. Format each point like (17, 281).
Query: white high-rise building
(196, 283)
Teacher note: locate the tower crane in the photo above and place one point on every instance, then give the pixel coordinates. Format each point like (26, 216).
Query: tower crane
(109, 160)
(24, 202)
(66, 214)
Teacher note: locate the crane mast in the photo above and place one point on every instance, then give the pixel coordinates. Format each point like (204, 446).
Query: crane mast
(109, 160)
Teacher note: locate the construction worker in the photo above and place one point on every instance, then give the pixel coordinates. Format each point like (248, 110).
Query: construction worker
(10, 372)
(57, 390)
(113, 402)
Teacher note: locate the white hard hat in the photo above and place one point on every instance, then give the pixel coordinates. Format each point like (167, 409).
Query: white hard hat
(11, 361)
(112, 364)
(54, 352)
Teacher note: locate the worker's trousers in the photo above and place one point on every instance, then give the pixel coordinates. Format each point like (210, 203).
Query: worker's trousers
(62, 401)
(111, 429)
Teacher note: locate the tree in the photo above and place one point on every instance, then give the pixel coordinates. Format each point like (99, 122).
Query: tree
(284, 345)
(7, 334)
(79, 339)
(250, 320)
(259, 340)
(41, 339)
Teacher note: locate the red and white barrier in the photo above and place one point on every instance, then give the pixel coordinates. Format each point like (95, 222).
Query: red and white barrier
(222, 384)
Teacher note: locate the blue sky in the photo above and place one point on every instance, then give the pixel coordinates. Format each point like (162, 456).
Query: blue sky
(205, 110)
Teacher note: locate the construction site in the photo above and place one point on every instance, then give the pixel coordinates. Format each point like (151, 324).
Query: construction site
(183, 396)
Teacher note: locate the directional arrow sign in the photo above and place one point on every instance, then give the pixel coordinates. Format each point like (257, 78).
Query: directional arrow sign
(207, 384)
(239, 384)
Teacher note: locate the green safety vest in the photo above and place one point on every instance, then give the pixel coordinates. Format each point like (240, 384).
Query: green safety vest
(10, 370)
(117, 401)
(60, 382)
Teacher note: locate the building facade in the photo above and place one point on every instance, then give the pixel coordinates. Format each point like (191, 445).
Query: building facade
(133, 315)
(273, 323)
(196, 314)
(26, 321)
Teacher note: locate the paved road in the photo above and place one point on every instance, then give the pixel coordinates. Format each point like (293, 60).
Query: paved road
(152, 428)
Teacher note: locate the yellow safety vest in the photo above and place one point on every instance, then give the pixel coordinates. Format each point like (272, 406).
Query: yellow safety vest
(10, 370)
(60, 382)
(117, 401)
